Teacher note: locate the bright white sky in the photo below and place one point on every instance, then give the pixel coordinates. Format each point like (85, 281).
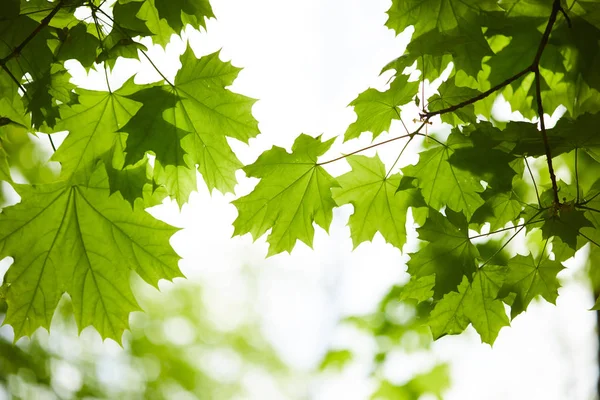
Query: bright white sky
(306, 61)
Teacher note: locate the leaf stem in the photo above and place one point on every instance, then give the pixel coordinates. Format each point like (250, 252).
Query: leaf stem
(537, 194)
(587, 208)
(588, 200)
(510, 239)
(52, 143)
(141, 51)
(399, 155)
(409, 135)
(506, 229)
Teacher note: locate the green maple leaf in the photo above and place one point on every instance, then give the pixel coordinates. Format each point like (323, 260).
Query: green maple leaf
(448, 316)
(375, 110)
(579, 42)
(566, 224)
(44, 92)
(419, 289)
(478, 150)
(210, 112)
(77, 43)
(293, 192)
(130, 181)
(529, 278)
(449, 95)
(77, 239)
(576, 133)
(377, 205)
(481, 307)
(147, 130)
(447, 27)
(178, 180)
(498, 210)
(179, 12)
(444, 184)
(160, 27)
(449, 254)
(11, 103)
(440, 15)
(93, 127)
(474, 303)
(186, 125)
(431, 53)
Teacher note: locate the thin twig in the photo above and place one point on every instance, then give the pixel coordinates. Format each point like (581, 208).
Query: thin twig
(481, 96)
(564, 13)
(101, 40)
(588, 200)
(587, 208)
(364, 149)
(590, 240)
(509, 240)
(14, 78)
(43, 23)
(52, 143)
(537, 194)
(538, 89)
(505, 229)
(410, 135)
(130, 38)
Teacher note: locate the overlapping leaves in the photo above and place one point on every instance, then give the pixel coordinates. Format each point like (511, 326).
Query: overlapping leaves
(476, 183)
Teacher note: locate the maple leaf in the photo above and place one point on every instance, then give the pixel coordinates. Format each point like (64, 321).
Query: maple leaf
(377, 205)
(177, 13)
(565, 225)
(186, 124)
(448, 316)
(449, 254)
(444, 184)
(93, 126)
(76, 239)
(449, 94)
(474, 303)
(293, 192)
(78, 44)
(481, 306)
(210, 112)
(419, 289)
(529, 278)
(499, 209)
(375, 110)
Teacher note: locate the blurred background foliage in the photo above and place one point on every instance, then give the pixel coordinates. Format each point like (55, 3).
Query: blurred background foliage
(176, 351)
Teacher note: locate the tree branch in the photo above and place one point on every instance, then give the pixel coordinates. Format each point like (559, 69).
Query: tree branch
(429, 114)
(538, 91)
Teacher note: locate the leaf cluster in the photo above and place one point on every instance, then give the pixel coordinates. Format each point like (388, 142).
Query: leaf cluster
(471, 193)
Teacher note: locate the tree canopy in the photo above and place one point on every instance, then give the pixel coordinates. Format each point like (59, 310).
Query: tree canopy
(471, 193)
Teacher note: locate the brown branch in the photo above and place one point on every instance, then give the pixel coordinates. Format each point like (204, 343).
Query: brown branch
(481, 96)
(534, 67)
(538, 92)
(43, 23)
(556, 8)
